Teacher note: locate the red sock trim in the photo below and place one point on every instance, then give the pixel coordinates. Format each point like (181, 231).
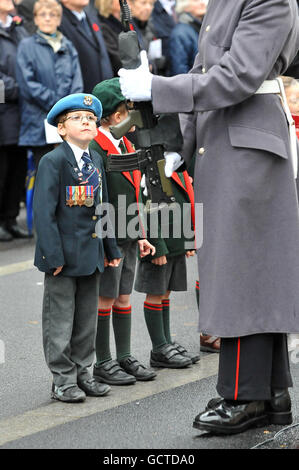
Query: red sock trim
(165, 302)
(156, 307)
(197, 285)
(104, 312)
(237, 370)
(122, 310)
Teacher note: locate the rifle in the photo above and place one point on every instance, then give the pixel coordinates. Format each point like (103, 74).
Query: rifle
(155, 134)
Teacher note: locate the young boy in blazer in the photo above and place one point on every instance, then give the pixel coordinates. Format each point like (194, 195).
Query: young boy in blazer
(70, 186)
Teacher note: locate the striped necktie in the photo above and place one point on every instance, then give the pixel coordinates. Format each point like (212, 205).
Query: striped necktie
(122, 147)
(89, 171)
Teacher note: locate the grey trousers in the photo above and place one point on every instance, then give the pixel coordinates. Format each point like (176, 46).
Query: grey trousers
(69, 326)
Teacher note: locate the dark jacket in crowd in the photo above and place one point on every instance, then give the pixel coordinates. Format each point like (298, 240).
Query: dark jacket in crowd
(9, 112)
(91, 48)
(184, 43)
(25, 10)
(163, 24)
(111, 27)
(44, 77)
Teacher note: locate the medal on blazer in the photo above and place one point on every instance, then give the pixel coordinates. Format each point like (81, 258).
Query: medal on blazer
(79, 196)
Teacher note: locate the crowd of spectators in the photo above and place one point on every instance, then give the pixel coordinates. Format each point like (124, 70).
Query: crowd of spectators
(49, 49)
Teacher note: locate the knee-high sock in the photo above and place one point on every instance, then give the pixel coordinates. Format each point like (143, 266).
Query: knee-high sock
(121, 320)
(153, 315)
(103, 336)
(166, 319)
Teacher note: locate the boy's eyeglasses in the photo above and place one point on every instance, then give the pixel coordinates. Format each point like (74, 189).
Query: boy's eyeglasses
(79, 118)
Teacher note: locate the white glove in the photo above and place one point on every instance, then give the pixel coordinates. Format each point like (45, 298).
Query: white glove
(136, 84)
(173, 161)
(143, 185)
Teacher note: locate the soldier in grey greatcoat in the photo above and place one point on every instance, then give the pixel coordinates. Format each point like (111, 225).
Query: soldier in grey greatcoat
(233, 117)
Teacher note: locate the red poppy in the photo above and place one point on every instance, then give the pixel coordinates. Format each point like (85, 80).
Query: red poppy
(95, 27)
(17, 19)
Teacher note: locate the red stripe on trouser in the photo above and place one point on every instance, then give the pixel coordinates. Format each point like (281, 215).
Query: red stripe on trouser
(237, 370)
(122, 310)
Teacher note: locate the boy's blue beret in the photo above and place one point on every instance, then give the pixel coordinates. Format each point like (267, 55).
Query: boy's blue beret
(75, 102)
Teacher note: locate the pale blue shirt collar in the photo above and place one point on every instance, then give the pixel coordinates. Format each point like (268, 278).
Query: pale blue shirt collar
(79, 14)
(78, 152)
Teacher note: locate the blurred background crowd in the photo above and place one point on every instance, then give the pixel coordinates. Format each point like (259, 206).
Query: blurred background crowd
(49, 49)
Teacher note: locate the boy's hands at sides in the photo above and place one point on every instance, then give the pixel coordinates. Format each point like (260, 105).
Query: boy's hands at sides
(57, 270)
(146, 248)
(112, 263)
(190, 253)
(160, 260)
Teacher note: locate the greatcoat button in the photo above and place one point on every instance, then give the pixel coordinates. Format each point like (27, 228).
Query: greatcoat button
(203, 70)
(201, 150)
(94, 217)
(94, 235)
(208, 28)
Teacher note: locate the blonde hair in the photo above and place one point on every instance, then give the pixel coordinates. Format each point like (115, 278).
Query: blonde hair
(289, 81)
(50, 4)
(104, 7)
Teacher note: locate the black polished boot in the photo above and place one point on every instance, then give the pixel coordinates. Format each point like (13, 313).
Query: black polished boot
(228, 417)
(279, 407)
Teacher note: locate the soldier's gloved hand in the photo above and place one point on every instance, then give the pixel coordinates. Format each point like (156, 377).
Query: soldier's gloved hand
(173, 162)
(136, 84)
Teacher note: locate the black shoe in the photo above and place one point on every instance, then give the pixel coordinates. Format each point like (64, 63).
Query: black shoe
(133, 367)
(168, 356)
(93, 388)
(232, 418)
(183, 351)
(16, 231)
(278, 409)
(5, 236)
(69, 393)
(111, 373)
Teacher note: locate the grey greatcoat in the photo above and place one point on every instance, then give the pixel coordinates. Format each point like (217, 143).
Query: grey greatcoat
(249, 259)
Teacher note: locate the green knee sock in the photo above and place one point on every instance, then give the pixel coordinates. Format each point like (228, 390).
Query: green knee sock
(153, 315)
(121, 320)
(166, 320)
(103, 336)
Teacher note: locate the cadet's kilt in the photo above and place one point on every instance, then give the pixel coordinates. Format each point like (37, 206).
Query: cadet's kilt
(154, 279)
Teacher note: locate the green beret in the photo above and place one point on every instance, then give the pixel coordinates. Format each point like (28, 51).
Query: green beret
(110, 95)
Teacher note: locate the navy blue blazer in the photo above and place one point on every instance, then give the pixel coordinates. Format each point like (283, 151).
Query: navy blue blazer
(92, 51)
(66, 235)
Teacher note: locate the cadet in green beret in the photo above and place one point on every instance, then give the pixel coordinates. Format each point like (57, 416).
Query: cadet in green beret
(117, 283)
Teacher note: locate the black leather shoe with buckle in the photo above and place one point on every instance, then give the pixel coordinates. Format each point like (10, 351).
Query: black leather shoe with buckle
(168, 356)
(232, 417)
(68, 393)
(111, 373)
(133, 367)
(183, 351)
(93, 388)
